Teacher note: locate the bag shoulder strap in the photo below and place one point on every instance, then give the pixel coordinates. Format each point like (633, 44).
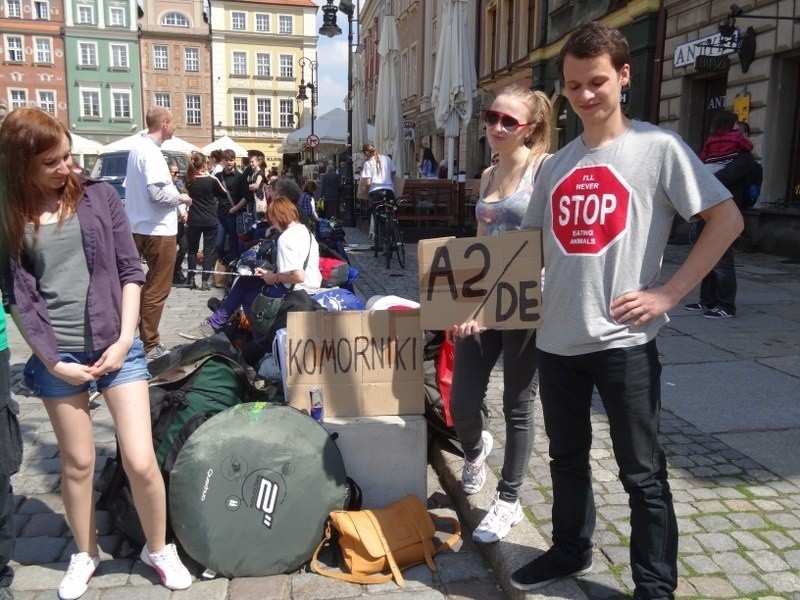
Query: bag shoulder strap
(321, 569)
(398, 577)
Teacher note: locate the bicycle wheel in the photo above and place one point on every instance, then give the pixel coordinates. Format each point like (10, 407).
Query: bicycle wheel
(377, 241)
(399, 245)
(388, 241)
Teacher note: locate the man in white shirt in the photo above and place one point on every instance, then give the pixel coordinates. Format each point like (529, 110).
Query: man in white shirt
(150, 201)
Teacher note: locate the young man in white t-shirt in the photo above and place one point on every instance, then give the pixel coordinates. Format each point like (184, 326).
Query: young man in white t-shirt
(150, 201)
(605, 203)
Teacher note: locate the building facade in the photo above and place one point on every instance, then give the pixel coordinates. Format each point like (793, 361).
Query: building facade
(754, 70)
(101, 43)
(175, 53)
(256, 50)
(32, 63)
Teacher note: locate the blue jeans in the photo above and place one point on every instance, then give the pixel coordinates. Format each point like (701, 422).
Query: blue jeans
(46, 385)
(629, 383)
(226, 232)
(475, 357)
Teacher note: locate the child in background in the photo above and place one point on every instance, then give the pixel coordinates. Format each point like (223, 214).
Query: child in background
(724, 142)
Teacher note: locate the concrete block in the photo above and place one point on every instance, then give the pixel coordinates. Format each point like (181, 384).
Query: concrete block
(386, 456)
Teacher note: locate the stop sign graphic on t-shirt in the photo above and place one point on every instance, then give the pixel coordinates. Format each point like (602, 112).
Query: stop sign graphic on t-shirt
(590, 209)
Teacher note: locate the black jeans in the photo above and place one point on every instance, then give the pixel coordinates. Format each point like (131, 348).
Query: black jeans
(629, 383)
(475, 357)
(719, 287)
(209, 233)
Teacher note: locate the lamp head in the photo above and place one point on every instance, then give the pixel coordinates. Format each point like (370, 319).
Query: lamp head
(329, 27)
(736, 10)
(301, 92)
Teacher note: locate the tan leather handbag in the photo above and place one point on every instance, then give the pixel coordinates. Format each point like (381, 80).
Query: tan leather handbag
(391, 539)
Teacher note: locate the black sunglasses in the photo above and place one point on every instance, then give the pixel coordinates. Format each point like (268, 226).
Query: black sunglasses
(507, 122)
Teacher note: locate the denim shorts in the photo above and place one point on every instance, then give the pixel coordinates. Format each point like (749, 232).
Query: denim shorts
(46, 385)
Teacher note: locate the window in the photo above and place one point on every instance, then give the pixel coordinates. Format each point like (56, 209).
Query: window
(163, 99)
(44, 50)
(191, 59)
(90, 103)
(175, 19)
(116, 16)
(192, 109)
(47, 101)
(240, 112)
(262, 23)
(19, 99)
(238, 21)
(413, 75)
(121, 101)
(286, 112)
(160, 58)
(87, 54)
(287, 65)
(41, 10)
(240, 63)
(13, 9)
(85, 15)
(14, 48)
(264, 112)
(119, 56)
(263, 68)
(285, 24)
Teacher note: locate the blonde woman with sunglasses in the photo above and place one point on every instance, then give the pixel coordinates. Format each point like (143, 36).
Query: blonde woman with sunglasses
(518, 130)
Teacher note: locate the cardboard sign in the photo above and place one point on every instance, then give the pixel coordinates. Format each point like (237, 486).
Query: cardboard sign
(367, 363)
(495, 280)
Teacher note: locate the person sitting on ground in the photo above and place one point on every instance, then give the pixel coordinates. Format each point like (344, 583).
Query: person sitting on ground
(297, 267)
(724, 142)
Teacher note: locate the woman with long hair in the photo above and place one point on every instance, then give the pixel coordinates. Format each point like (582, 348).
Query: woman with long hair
(73, 280)
(518, 130)
(376, 175)
(297, 265)
(205, 191)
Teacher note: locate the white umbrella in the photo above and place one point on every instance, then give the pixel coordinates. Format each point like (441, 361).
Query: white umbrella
(388, 113)
(224, 143)
(82, 145)
(176, 144)
(454, 79)
(359, 110)
(330, 128)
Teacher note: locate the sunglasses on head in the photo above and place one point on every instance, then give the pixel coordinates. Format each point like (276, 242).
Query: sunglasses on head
(507, 122)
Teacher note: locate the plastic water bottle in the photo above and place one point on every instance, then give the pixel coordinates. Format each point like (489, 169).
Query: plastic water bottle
(316, 404)
(753, 192)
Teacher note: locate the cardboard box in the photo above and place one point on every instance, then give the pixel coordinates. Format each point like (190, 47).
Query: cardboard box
(495, 280)
(367, 363)
(386, 456)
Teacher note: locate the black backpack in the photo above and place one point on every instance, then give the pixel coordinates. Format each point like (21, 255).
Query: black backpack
(435, 409)
(190, 385)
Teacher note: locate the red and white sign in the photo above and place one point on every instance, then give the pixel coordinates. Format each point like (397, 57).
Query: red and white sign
(312, 140)
(590, 210)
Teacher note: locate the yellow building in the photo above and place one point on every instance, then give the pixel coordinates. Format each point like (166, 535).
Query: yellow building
(256, 50)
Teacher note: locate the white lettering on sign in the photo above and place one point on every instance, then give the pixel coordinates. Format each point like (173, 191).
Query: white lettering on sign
(590, 209)
(586, 209)
(710, 45)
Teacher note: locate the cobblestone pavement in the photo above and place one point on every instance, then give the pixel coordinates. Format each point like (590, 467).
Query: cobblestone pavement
(730, 423)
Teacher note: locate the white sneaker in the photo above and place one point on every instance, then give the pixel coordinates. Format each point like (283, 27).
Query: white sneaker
(473, 475)
(80, 571)
(169, 567)
(502, 516)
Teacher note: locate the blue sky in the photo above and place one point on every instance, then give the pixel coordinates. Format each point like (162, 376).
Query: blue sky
(332, 61)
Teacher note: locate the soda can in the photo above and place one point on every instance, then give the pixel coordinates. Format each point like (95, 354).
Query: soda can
(316, 404)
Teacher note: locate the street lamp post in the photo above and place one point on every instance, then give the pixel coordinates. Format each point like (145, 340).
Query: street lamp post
(330, 29)
(312, 85)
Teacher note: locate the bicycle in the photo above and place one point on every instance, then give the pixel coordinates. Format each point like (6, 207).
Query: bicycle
(388, 236)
